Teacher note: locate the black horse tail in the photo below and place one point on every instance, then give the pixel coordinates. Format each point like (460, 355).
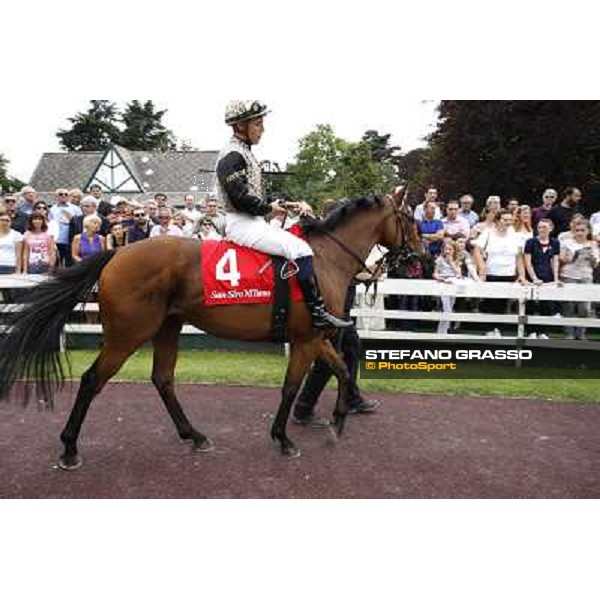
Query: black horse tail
(30, 340)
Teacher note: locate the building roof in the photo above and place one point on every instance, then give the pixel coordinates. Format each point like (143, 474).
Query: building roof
(176, 172)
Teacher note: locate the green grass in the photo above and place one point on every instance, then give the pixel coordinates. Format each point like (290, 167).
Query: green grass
(250, 368)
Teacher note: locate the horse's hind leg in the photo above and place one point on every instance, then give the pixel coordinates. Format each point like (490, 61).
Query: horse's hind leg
(163, 377)
(92, 382)
(301, 357)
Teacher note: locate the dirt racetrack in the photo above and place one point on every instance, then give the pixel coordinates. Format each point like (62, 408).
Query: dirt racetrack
(414, 447)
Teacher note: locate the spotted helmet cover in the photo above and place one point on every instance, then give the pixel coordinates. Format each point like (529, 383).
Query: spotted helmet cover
(242, 110)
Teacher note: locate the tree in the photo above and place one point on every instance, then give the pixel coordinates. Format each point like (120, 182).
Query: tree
(381, 151)
(414, 168)
(7, 183)
(327, 166)
(360, 174)
(95, 129)
(139, 127)
(143, 128)
(515, 147)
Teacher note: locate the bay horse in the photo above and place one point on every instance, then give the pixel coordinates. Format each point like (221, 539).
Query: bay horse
(148, 290)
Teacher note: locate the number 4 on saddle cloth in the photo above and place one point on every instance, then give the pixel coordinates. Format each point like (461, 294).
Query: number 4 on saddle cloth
(234, 274)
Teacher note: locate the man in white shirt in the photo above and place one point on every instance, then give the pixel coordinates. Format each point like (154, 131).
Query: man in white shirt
(165, 227)
(62, 212)
(430, 195)
(190, 215)
(454, 226)
(466, 212)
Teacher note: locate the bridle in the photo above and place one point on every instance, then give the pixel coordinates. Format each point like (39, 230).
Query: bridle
(396, 256)
(402, 253)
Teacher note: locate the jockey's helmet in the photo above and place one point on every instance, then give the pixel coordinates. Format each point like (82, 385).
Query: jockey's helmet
(243, 110)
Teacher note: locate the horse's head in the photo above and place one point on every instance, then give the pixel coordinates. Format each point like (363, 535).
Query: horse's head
(399, 232)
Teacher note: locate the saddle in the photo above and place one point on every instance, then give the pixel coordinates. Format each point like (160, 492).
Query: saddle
(234, 274)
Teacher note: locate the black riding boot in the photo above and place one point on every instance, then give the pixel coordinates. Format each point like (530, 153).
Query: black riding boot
(321, 319)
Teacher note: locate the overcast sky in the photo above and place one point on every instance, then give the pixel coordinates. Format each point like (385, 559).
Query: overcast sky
(29, 124)
(354, 65)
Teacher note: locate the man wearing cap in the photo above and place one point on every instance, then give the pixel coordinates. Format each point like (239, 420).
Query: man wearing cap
(239, 185)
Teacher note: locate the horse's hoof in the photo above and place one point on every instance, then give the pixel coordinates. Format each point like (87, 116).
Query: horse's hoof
(333, 434)
(338, 426)
(290, 452)
(204, 446)
(70, 463)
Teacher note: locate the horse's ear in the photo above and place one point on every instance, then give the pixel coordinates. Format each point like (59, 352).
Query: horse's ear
(398, 194)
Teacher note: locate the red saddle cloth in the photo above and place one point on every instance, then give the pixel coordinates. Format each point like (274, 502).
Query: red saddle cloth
(234, 274)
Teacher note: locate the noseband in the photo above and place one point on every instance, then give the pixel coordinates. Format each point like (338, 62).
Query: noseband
(401, 253)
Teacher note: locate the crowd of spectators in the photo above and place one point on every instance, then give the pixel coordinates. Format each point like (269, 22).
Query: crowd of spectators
(36, 238)
(552, 242)
(506, 241)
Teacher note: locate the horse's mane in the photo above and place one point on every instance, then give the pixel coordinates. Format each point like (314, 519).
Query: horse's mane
(340, 214)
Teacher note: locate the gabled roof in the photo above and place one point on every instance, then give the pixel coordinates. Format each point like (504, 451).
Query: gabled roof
(179, 172)
(116, 172)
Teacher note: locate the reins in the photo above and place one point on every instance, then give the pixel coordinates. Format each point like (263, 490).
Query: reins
(396, 255)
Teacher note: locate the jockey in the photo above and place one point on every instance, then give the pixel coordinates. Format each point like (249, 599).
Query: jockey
(239, 184)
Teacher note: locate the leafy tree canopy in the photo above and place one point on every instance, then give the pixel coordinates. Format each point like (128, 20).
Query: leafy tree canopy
(138, 127)
(514, 147)
(327, 166)
(95, 129)
(144, 129)
(7, 183)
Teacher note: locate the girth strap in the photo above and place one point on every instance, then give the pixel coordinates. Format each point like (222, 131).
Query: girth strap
(281, 301)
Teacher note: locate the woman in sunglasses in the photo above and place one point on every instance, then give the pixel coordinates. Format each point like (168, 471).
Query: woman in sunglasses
(10, 246)
(39, 251)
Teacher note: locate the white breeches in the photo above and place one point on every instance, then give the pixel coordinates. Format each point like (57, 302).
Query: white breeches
(255, 232)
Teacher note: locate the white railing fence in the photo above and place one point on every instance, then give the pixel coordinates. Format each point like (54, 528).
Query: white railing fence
(371, 318)
(372, 314)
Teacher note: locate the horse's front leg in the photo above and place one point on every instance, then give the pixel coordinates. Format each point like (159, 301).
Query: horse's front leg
(302, 355)
(338, 366)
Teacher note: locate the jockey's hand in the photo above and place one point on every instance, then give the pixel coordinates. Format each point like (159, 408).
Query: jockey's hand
(277, 208)
(303, 209)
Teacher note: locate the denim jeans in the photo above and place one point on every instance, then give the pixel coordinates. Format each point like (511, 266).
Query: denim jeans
(576, 309)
